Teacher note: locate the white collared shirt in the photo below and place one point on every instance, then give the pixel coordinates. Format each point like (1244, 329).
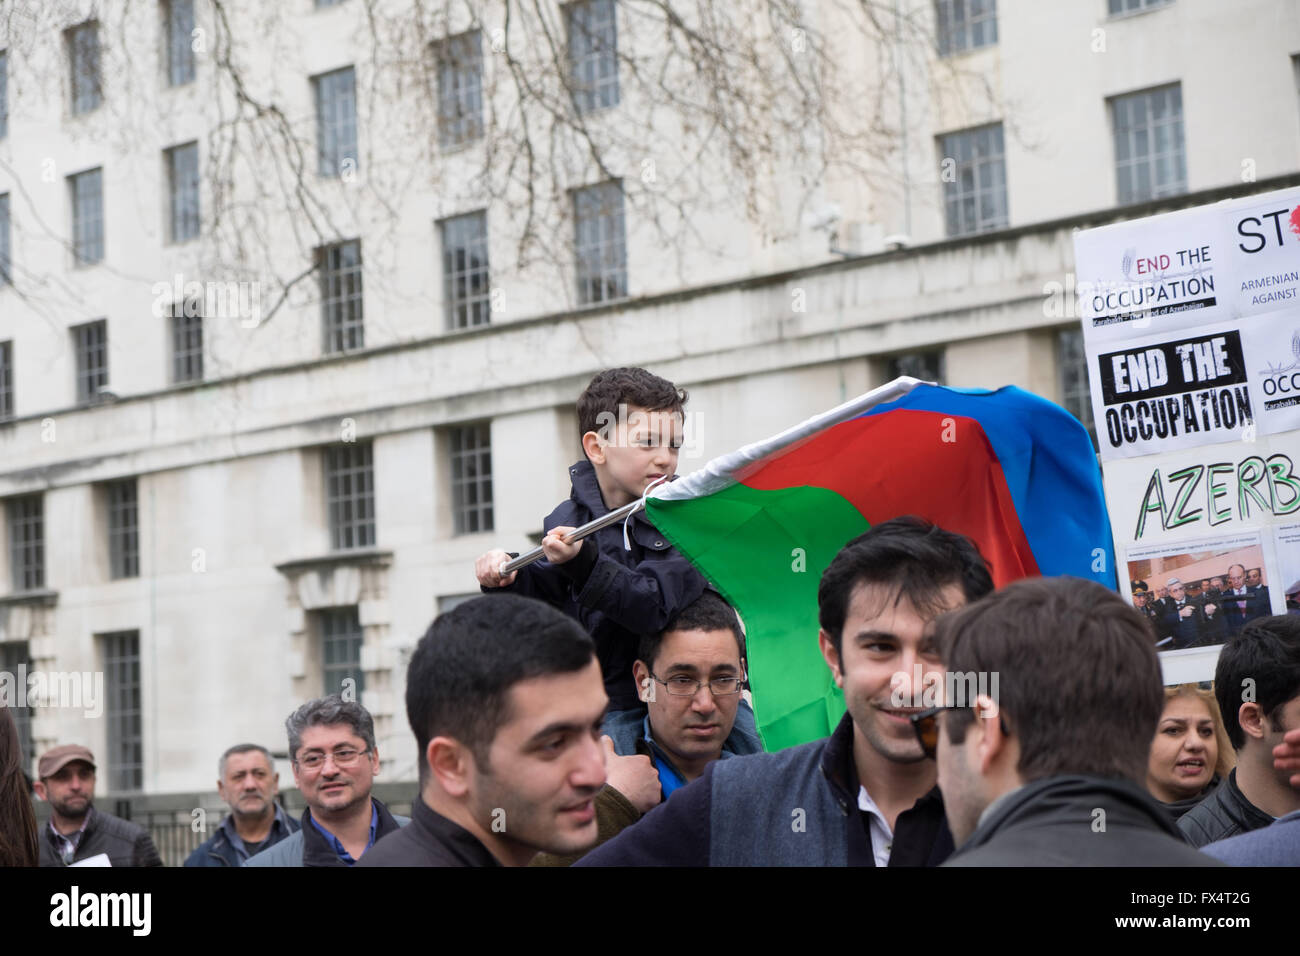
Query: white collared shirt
(882, 838)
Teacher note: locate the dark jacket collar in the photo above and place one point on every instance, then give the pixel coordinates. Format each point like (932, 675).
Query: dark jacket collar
(316, 850)
(586, 492)
(1243, 813)
(281, 826)
(458, 842)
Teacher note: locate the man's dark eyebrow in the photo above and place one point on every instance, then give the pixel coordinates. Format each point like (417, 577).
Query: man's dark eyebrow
(559, 727)
(875, 635)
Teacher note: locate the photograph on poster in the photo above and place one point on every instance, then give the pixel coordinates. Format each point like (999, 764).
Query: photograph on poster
(1199, 594)
(1286, 538)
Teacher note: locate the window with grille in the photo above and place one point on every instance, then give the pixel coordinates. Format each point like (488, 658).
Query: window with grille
(926, 366)
(187, 342)
(16, 660)
(340, 296)
(182, 164)
(336, 121)
(4, 93)
(25, 516)
(1072, 367)
(341, 640)
(962, 25)
(87, 191)
(601, 249)
(83, 60)
(466, 289)
(6, 380)
(122, 710)
(975, 185)
(593, 54)
(350, 495)
(90, 344)
(4, 240)
(123, 529)
(1117, 7)
(471, 478)
(460, 89)
(1149, 158)
(178, 28)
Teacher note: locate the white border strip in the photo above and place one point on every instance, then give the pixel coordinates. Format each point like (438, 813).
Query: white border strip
(720, 472)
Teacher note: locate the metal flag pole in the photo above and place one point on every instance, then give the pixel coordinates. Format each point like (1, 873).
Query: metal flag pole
(577, 534)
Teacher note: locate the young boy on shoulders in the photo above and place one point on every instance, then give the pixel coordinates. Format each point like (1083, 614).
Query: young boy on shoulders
(632, 424)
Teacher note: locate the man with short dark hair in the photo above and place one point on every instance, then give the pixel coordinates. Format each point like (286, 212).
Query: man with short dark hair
(77, 831)
(505, 697)
(247, 781)
(866, 795)
(1257, 684)
(1047, 769)
(335, 762)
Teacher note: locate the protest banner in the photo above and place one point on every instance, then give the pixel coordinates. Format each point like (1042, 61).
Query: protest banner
(1191, 324)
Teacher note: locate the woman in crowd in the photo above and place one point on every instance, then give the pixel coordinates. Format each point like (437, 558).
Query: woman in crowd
(1191, 752)
(18, 845)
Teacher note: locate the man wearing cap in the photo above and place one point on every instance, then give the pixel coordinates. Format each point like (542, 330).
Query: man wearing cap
(76, 830)
(1142, 601)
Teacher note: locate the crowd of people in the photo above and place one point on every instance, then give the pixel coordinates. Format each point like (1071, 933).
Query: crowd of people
(593, 709)
(1202, 613)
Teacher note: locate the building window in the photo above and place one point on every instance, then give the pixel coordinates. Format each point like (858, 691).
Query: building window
(1149, 159)
(460, 89)
(975, 183)
(4, 93)
(327, 3)
(962, 25)
(4, 240)
(6, 380)
(471, 478)
(25, 516)
(178, 29)
(340, 296)
(1072, 366)
(122, 710)
(341, 640)
(187, 342)
(90, 342)
(927, 366)
(593, 54)
(1118, 7)
(600, 245)
(350, 495)
(182, 164)
(83, 58)
(87, 191)
(465, 270)
(16, 660)
(336, 121)
(123, 529)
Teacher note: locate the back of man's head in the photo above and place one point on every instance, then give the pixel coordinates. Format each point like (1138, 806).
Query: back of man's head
(1079, 683)
(1261, 664)
(459, 678)
(915, 558)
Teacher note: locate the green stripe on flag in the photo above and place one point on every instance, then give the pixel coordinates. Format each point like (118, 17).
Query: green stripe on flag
(765, 551)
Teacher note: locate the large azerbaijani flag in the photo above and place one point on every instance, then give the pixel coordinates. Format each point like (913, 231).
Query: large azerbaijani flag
(1012, 471)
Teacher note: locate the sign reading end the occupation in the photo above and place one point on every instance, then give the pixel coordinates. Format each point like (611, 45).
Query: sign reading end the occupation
(1159, 395)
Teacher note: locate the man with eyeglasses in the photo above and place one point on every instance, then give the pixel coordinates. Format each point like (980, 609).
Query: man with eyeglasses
(335, 761)
(866, 795)
(690, 677)
(1046, 766)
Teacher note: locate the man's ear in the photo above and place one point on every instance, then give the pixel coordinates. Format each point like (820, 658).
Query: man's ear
(644, 682)
(831, 655)
(1251, 719)
(990, 741)
(39, 787)
(449, 763)
(221, 790)
(593, 448)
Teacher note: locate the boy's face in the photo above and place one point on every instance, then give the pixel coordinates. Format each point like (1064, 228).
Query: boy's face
(630, 453)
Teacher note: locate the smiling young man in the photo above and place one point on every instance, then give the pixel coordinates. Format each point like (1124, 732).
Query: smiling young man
(248, 783)
(335, 762)
(866, 795)
(505, 698)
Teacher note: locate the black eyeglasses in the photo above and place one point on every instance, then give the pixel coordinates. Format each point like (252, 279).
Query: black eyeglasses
(689, 686)
(926, 725)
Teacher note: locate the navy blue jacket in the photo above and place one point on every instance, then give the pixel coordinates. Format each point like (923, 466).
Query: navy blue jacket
(616, 594)
(217, 850)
